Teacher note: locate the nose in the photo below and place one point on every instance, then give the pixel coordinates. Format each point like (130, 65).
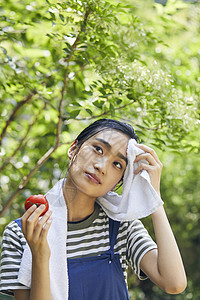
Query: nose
(101, 165)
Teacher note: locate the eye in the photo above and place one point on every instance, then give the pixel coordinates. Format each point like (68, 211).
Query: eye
(118, 165)
(98, 149)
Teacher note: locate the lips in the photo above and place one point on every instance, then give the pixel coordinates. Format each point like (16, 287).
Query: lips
(93, 177)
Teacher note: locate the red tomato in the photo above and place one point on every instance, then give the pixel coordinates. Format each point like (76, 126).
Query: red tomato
(37, 200)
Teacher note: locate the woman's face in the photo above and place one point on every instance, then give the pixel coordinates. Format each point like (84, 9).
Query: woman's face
(100, 163)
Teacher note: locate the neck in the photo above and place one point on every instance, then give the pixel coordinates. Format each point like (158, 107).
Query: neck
(79, 205)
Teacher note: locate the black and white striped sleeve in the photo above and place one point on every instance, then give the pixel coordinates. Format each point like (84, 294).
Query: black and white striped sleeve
(13, 243)
(139, 243)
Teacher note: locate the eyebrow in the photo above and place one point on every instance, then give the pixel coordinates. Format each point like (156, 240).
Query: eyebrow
(108, 146)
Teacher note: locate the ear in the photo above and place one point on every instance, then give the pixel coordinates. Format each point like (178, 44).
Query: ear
(72, 150)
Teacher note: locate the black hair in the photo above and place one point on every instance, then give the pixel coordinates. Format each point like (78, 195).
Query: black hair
(103, 124)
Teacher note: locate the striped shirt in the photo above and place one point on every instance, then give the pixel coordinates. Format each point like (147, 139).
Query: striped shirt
(89, 237)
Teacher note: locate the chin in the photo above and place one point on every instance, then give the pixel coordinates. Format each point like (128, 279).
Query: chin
(90, 192)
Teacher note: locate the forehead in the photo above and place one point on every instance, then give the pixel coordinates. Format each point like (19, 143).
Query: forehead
(116, 139)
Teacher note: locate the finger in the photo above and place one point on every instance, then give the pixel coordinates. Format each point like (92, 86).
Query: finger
(149, 150)
(41, 223)
(45, 228)
(147, 157)
(37, 213)
(142, 167)
(26, 215)
(31, 211)
(32, 220)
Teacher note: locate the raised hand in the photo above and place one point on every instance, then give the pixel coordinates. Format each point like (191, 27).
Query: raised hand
(153, 165)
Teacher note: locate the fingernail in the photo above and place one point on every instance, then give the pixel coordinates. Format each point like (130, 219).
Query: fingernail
(42, 206)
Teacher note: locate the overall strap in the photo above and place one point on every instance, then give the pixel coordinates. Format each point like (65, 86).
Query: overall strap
(113, 231)
(18, 221)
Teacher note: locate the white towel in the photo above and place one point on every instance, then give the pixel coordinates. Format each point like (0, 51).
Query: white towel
(139, 199)
(57, 242)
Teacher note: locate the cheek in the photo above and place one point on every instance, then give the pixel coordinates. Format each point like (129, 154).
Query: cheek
(85, 154)
(89, 157)
(82, 160)
(113, 177)
(116, 181)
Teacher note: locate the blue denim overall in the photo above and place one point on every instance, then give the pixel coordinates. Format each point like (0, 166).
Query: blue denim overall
(97, 277)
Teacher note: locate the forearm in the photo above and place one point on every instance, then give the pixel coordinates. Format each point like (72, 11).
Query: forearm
(163, 266)
(169, 262)
(40, 284)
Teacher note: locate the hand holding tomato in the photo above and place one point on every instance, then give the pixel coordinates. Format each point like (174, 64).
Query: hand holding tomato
(37, 200)
(36, 222)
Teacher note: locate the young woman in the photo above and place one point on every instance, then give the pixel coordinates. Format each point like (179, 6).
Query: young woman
(98, 159)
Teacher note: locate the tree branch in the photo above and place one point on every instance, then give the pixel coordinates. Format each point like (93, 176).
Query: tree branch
(25, 179)
(7, 161)
(47, 102)
(66, 78)
(105, 113)
(45, 157)
(19, 105)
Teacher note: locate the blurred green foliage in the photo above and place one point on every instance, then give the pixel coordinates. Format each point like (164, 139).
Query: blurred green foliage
(65, 64)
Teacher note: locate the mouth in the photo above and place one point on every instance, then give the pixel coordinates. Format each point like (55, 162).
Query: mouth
(94, 178)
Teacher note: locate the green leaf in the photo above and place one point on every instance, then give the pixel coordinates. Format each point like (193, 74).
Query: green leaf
(98, 103)
(89, 111)
(67, 50)
(88, 93)
(112, 110)
(118, 101)
(52, 16)
(47, 1)
(74, 114)
(62, 17)
(4, 50)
